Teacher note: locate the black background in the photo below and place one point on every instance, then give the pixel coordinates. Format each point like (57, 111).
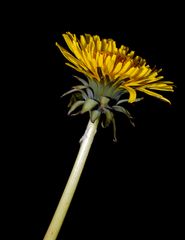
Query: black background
(129, 189)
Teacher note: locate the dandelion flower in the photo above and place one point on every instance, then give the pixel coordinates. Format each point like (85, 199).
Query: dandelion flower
(113, 76)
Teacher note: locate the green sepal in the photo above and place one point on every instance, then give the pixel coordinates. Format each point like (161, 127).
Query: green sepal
(76, 97)
(79, 87)
(84, 82)
(124, 111)
(104, 101)
(118, 83)
(73, 99)
(75, 89)
(114, 130)
(89, 104)
(75, 105)
(108, 118)
(90, 93)
(94, 86)
(95, 114)
(139, 99)
(122, 101)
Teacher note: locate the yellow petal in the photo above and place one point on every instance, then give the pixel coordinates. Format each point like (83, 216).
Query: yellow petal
(68, 41)
(147, 80)
(100, 61)
(154, 94)
(122, 50)
(114, 48)
(117, 68)
(98, 45)
(132, 93)
(91, 49)
(154, 74)
(125, 67)
(160, 86)
(149, 71)
(77, 51)
(83, 41)
(107, 63)
(69, 57)
(130, 71)
(131, 54)
(144, 71)
(96, 38)
(73, 45)
(135, 72)
(97, 56)
(94, 64)
(86, 60)
(72, 36)
(109, 48)
(154, 79)
(88, 38)
(111, 64)
(80, 70)
(104, 45)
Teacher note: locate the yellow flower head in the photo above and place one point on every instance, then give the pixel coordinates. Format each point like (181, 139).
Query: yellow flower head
(111, 73)
(101, 59)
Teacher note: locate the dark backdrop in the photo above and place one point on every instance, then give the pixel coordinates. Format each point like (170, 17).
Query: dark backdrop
(128, 190)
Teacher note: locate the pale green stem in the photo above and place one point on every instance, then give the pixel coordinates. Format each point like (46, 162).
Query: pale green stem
(64, 203)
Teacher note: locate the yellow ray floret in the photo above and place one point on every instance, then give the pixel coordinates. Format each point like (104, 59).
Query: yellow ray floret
(89, 53)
